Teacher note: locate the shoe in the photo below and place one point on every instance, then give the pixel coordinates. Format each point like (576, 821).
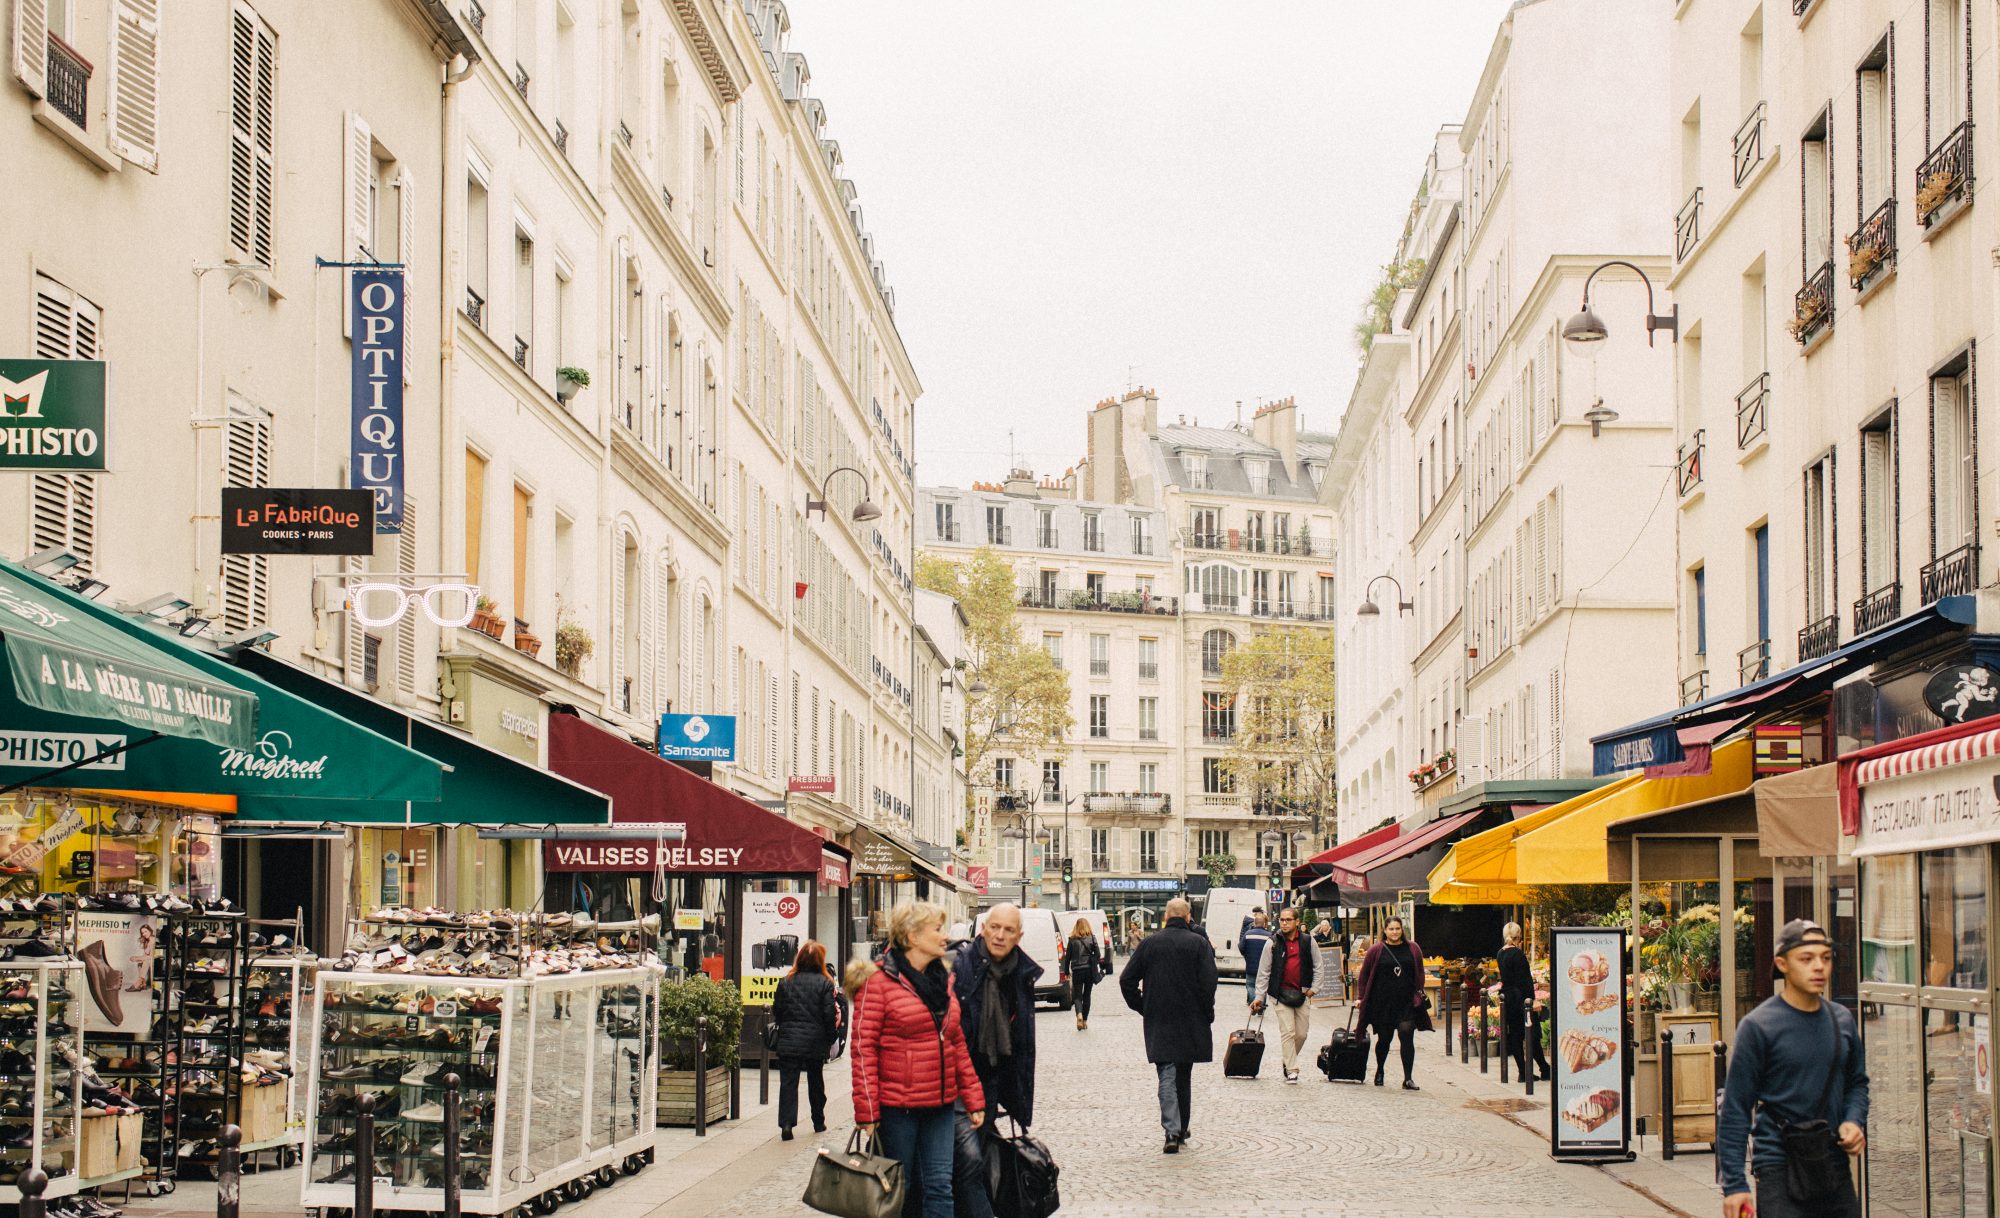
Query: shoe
(104, 980)
(785, 1133)
(1291, 1076)
(425, 1112)
(1411, 1085)
(1079, 1023)
(819, 1126)
(1173, 1146)
(1378, 1078)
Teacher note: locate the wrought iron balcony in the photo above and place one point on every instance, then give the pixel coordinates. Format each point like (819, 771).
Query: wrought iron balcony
(1687, 226)
(1047, 539)
(1812, 307)
(948, 532)
(477, 16)
(475, 308)
(624, 133)
(69, 82)
(1953, 574)
(521, 81)
(562, 138)
(1100, 668)
(1145, 804)
(1694, 687)
(521, 351)
(1753, 663)
(1750, 410)
(1093, 542)
(1218, 732)
(1234, 541)
(1149, 671)
(1799, 7)
(1878, 608)
(1035, 596)
(1872, 247)
(1687, 464)
(1149, 733)
(1819, 638)
(1945, 174)
(1001, 536)
(1747, 149)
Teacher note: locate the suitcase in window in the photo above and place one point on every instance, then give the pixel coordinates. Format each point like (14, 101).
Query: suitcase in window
(1344, 1059)
(1245, 1054)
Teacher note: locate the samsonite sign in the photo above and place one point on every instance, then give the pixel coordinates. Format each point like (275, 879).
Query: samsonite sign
(52, 414)
(698, 737)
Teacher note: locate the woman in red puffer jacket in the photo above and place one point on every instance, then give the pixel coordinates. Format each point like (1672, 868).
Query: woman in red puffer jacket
(910, 1061)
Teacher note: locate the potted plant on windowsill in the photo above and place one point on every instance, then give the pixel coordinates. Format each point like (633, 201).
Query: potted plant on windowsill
(570, 381)
(681, 1004)
(526, 641)
(1932, 194)
(486, 617)
(574, 643)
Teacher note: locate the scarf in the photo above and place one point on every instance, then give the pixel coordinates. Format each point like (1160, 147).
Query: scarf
(932, 984)
(995, 1035)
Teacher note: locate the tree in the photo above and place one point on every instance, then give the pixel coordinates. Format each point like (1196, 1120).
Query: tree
(1283, 752)
(1023, 706)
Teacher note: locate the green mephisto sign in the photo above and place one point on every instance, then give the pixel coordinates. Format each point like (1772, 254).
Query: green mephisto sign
(52, 414)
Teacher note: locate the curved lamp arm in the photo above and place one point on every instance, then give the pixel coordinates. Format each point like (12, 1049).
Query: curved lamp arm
(866, 510)
(1586, 326)
(1369, 608)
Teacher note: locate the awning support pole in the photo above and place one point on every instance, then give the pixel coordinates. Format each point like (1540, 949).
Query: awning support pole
(77, 765)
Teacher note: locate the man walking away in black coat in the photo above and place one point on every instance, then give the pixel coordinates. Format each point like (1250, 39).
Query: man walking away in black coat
(995, 985)
(1170, 980)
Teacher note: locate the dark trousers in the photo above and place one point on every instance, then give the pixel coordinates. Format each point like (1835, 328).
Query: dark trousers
(1082, 988)
(1774, 1200)
(788, 1092)
(1406, 1031)
(968, 1168)
(1176, 1095)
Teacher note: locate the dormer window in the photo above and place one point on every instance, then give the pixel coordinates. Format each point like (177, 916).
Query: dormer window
(1258, 471)
(1196, 465)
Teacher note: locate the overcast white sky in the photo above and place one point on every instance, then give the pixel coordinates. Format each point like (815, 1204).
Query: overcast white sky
(1070, 197)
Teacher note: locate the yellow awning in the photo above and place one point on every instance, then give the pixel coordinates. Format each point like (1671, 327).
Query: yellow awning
(1570, 848)
(1481, 869)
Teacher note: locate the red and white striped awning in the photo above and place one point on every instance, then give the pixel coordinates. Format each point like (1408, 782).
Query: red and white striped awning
(1929, 757)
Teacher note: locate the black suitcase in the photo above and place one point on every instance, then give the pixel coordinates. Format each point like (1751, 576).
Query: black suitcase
(1345, 1057)
(1245, 1054)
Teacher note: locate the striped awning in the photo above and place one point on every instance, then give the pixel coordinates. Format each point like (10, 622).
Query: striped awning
(1929, 757)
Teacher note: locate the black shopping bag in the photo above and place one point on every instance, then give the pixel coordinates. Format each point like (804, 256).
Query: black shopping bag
(1021, 1175)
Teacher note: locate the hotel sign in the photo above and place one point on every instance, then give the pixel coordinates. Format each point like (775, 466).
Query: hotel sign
(52, 414)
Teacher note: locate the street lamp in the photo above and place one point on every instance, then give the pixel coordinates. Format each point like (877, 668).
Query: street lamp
(865, 510)
(1585, 327)
(1368, 606)
(1019, 833)
(1052, 792)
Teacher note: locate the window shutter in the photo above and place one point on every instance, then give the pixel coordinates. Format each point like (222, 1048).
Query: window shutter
(31, 45)
(1545, 381)
(252, 136)
(406, 243)
(64, 506)
(246, 578)
(1541, 544)
(353, 635)
(687, 651)
(738, 124)
(617, 615)
(1559, 769)
(134, 90)
(771, 731)
(357, 175)
(406, 630)
(664, 672)
(1555, 548)
(647, 662)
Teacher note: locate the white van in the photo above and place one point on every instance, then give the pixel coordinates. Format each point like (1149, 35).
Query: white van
(1222, 919)
(1042, 940)
(1100, 925)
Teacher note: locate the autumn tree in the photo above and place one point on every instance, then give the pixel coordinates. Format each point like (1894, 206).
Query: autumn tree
(1282, 755)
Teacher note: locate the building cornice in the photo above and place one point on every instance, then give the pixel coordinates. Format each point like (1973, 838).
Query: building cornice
(720, 64)
(641, 471)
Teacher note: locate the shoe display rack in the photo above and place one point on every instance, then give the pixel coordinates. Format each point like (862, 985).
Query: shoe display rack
(277, 1002)
(41, 1092)
(559, 1074)
(208, 969)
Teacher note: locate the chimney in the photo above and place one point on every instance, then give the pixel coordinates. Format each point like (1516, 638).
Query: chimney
(1276, 425)
(1021, 483)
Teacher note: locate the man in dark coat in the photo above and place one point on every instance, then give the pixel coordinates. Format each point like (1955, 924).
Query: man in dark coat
(995, 984)
(1170, 980)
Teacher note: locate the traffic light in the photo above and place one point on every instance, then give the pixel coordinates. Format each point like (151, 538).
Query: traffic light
(1069, 870)
(1277, 873)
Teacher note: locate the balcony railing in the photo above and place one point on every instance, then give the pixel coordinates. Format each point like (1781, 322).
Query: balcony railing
(948, 532)
(624, 133)
(1820, 638)
(521, 81)
(1100, 668)
(1002, 536)
(1149, 733)
(562, 138)
(1748, 146)
(1945, 174)
(69, 82)
(1694, 687)
(1687, 464)
(475, 308)
(1149, 805)
(1753, 663)
(1093, 542)
(1872, 247)
(1812, 308)
(477, 16)
(1878, 608)
(1047, 539)
(1149, 671)
(521, 351)
(1750, 410)
(1687, 226)
(1143, 545)
(1238, 543)
(1038, 597)
(1953, 574)
(1222, 732)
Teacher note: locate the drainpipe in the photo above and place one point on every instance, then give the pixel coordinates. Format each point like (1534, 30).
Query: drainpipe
(451, 290)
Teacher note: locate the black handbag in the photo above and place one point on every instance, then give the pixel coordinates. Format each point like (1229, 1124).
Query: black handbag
(771, 1035)
(1021, 1175)
(860, 1182)
(1815, 1165)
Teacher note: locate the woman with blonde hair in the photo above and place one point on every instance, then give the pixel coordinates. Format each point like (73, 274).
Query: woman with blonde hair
(910, 1061)
(1517, 994)
(808, 1018)
(1083, 956)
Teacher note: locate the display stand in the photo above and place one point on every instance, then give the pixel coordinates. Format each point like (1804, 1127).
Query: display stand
(208, 970)
(558, 1074)
(146, 1067)
(40, 1039)
(276, 1003)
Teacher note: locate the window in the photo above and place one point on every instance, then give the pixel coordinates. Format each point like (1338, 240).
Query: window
(1258, 472)
(246, 461)
(1149, 777)
(523, 509)
(1093, 587)
(1149, 849)
(1052, 782)
(1142, 540)
(1100, 849)
(1955, 510)
(996, 526)
(1045, 528)
(1214, 781)
(1260, 593)
(1946, 43)
(1760, 560)
(1281, 531)
(1218, 716)
(1878, 503)
(1093, 531)
(1253, 531)
(1211, 842)
(1819, 540)
(1149, 718)
(1100, 655)
(1149, 661)
(1100, 777)
(1052, 644)
(475, 514)
(1874, 142)
(1700, 598)
(1816, 174)
(1100, 717)
(476, 220)
(1215, 644)
(524, 299)
(1207, 527)
(1003, 773)
(253, 141)
(1196, 465)
(65, 505)
(947, 527)
(559, 328)
(1326, 595)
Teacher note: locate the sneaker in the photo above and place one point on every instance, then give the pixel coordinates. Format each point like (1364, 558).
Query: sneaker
(424, 1112)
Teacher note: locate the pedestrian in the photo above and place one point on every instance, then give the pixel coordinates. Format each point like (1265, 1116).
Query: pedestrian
(1085, 957)
(1251, 941)
(1289, 974)
(1170, 980)
(1798, 1084)
(1517, 994)
(1392, 1000)
(910, 1062)
(1323, 933)
(807, 1014)
(995, 987)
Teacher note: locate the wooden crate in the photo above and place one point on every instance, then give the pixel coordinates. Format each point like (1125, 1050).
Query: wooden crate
(677, 1092)
(262, 1113)
(110, 1144)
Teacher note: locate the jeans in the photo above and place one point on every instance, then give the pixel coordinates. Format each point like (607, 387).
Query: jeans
(1294, 1025)
(1082, 990)
(788, 1092)
(1774, 1200)
(921, 1139)
(1176, 1095)
(968, 1168)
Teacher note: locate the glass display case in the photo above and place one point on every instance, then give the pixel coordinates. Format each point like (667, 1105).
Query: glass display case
(558, 1081)
(277, 1003)
(41, 1093)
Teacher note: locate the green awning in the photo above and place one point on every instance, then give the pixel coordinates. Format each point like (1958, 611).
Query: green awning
(481, 787)
(67, 662)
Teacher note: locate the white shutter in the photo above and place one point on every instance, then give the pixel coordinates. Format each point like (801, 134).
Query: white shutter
(252, 135)
(246, 578)
(649, 654)
(688, 669)
(1547, 402)
(406, 630)
(31, 45)
(64, 506)
(1558, 769)
(1541, 547)
(1555, 548)
(134, 88)
(353, 634)
(357, 177)
(406, 249)
(771, 731)
(1472, 749)
(664, 672)
(617, 615)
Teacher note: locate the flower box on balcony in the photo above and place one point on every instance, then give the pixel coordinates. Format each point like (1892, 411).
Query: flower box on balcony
(525, 640)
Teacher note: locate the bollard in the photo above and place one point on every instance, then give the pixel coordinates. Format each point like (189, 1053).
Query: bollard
(1666, 1094)
(229, 1173)
(736, 1086)
(700, 1078)
(1485, 1027)
(1534, 1022)
(34, 1182)
(763, 1070)
(1448, 994)
(364, 1155)
(1506, 1042)
(1466, 991)
(453, 1171)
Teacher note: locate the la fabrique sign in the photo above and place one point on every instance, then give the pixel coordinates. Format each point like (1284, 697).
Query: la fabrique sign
(52, 414)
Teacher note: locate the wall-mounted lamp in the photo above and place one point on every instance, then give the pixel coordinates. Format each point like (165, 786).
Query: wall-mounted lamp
(865, 510)
(1368, 606)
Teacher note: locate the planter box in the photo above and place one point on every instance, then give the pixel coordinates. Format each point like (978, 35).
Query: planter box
(677, 1094)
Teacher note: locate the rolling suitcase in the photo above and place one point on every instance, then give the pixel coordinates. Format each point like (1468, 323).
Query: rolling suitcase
(1245, 1054)
(1345, 1057)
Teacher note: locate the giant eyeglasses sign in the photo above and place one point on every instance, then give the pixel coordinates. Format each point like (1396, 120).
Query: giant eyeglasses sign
(375, 604)
(52, 414)
(1591, 1116)
(265, 520)
(377, 450)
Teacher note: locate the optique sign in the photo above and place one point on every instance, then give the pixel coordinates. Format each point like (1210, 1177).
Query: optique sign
(377, 450)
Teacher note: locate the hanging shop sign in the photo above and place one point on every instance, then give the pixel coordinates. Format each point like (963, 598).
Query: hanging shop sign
(813, 784)
(1591, 1116)
(297, 520)
(1962, 692)
(1936, 809)
(377, 450)
(53, 749)
(877, 857)
(833, 870)
(774, 924)
(981, 879)
(1132, 885)
(52, 414)
(1780, 748)
(698, 737)
(1660, 746)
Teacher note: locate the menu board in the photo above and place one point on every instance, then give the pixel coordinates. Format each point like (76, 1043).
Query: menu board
(1591, 1117)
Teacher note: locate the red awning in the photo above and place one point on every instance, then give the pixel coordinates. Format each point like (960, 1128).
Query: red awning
(723, 832)
(1353, 871)
(1319, 868)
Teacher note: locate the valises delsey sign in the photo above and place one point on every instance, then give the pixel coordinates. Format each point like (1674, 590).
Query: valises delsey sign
(52, 414)
(262, 520)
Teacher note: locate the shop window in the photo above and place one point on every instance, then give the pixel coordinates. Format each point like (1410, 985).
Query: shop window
(1954, 918)
(1888, 919)
(1895, 1168)
(1748, 927)
(1959, 1119)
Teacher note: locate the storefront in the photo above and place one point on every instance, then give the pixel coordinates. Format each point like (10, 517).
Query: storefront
(1133, 905)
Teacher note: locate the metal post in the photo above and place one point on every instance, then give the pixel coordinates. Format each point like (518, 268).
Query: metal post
(1666, 1094)
(1448, 995)
(1506, 1044)
(736, 1085)
(700, 1078)
(229, 1173)
(764, 1070)
(34, 1182)
(454, 1182)
(1534, 1021)
(364, 1156)
(1466, 992)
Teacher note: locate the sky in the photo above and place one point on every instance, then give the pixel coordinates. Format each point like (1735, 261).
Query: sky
(1075, 198)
